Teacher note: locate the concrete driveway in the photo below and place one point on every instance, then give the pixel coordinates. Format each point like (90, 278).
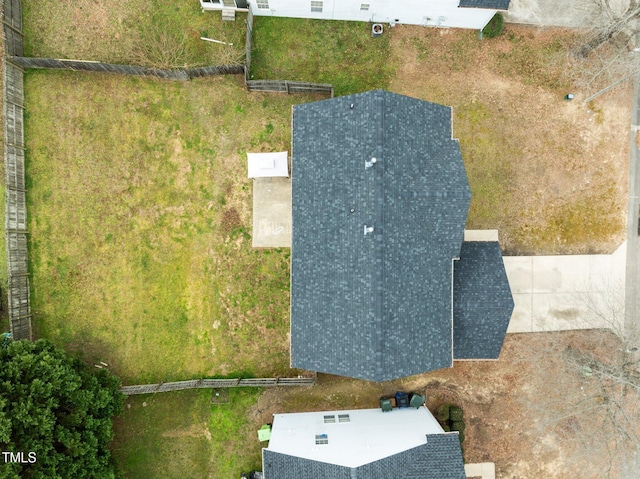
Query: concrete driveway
(554, 293)
(556, 13)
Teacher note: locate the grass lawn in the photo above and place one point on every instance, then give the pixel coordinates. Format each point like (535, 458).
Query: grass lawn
(341, 53)
(139, 219)
(181, 435)
(152, 32)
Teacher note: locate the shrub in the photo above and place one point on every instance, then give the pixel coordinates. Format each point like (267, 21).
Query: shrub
(494, 27)
(461, 437)
(442, 413)
(458, 426)
(446, 428)
(455, 413)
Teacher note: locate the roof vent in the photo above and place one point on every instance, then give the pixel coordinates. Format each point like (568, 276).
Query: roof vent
(368, 229)
(351, 106)
(370, 163)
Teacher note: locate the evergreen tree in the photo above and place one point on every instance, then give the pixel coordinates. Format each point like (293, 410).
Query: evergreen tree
(52, 406)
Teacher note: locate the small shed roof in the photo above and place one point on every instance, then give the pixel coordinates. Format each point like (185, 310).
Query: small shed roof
(268, 165)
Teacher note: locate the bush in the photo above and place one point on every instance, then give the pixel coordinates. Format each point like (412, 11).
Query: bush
(442, 413)
(461, 437)
(458, 426)
(446, 428)
(455, 413)
(494, 27)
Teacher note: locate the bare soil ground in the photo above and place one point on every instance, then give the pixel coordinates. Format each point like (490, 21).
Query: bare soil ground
(513, 407)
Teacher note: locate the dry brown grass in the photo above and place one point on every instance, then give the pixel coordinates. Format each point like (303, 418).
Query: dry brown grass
(550, 174)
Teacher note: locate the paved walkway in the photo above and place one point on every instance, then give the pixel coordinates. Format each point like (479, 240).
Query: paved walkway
(485, 470)
(272, 212)
(554, 293)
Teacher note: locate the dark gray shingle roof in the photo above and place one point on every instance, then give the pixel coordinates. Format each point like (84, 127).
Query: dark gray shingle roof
(482, 301)
(488, 4)
(439, 458)
(376, 307)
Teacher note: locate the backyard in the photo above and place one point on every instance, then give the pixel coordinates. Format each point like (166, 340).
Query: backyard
(140, 209)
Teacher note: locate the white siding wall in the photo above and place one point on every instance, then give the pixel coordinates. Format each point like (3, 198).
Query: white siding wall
(444, 13)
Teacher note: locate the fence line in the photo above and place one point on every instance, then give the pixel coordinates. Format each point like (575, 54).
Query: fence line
(16, 201)
(287, 86)
(12, 27)
(247, 46)
(215, 383)
(81, 65)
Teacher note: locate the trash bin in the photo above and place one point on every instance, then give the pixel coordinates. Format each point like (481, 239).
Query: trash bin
(385, 404)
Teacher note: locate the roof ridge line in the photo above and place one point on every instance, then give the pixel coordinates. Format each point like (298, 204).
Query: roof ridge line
(378, 236)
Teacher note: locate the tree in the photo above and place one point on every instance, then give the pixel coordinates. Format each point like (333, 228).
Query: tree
(607, 53)
(589, 391)
(52, 406)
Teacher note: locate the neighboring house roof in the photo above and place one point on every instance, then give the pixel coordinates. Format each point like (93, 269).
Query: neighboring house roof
(374, 306)
(488, 4)
(406, 443)
(482, 301)
(439, 458)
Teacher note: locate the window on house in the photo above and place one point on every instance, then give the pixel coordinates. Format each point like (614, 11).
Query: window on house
(263, 4)
(316, 6)
(329, 419)
(344, 418)
(322, 439)
(364, 7)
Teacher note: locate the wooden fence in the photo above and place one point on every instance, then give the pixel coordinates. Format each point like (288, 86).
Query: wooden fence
(287, 86)
(216, 383)
(12, 27)
(16, 201)
(91, 66)
(247, 46)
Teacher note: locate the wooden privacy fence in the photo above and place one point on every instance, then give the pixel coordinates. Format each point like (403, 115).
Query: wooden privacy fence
(16, 201)
(247, 46)
(287, 86)
(91, 66)
(215, 383)
(12, 27)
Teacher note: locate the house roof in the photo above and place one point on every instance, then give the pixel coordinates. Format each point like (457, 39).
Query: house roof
(440, 457)
(482, 300)
(374, 306)
(488, 4)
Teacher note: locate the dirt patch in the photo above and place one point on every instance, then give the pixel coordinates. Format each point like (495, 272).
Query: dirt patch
(508, 404)
(230, 220)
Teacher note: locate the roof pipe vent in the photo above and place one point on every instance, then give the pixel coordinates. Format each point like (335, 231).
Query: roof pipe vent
(369, 164)
(368, 230)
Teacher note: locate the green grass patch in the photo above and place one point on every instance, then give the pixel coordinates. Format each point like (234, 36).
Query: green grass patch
(182, 435)
(151, 33)
(140, 224)
(341, 53)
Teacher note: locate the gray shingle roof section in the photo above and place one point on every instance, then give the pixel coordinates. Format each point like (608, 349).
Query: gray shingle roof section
(276, 465)
(439, 458)
(488, 4)
(482, 301)
(375, 306)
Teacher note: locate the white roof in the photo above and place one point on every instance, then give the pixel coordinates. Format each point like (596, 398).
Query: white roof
(369, 435)
(268, 165)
